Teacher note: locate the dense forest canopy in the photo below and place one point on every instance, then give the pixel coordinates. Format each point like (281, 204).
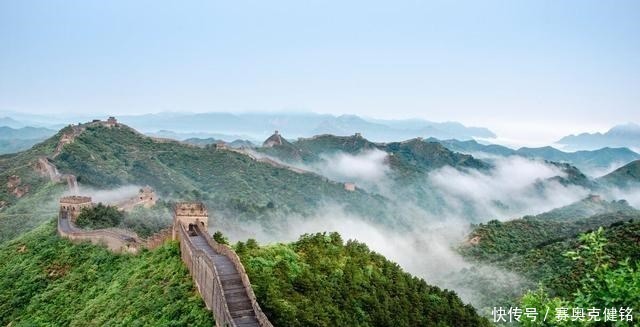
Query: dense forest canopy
(320, 280)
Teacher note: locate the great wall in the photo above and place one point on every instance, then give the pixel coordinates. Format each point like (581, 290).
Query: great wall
(216, 269)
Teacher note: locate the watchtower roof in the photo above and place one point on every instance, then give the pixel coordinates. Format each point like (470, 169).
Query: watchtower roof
(191, 209)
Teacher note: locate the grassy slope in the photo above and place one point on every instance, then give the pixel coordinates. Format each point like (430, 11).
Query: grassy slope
(30, 211)
(230, 183)
(40, 203)
(46, 280)
(22, 165)
(321, 281)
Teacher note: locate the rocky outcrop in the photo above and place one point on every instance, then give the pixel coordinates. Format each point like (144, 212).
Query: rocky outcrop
(15, 186)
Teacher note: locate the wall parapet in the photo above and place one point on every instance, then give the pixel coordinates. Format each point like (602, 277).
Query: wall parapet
(206, 278)
(233, 256)
(114, 240)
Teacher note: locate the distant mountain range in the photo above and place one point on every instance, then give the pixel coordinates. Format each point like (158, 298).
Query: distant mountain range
(596, 162)
(257, 126)
(25, 133)
(10, 122)
(260, 125)
(18, 139)
(208, 141)
(182, 136)
(627, 135)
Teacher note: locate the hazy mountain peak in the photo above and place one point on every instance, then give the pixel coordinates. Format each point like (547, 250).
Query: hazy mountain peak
(624, 135)
(628, 128)
(10, 122)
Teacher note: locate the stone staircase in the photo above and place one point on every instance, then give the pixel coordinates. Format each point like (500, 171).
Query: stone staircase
(236, 296)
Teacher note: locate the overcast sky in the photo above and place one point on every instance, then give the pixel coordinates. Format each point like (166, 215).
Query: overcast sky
(525, 69)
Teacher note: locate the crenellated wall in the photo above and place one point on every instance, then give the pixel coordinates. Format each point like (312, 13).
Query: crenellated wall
(114, 240)
(246, 284)
(205, 276)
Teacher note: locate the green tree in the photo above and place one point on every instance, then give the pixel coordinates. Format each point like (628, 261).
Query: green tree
(220, 238)
(605, 284)
(100, 216)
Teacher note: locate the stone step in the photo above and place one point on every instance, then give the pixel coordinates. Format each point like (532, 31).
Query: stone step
(247, 313)
(238, 301)
(244, 305)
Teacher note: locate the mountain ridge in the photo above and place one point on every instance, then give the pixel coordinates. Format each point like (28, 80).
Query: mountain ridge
(590, 161)
(258, 125)
(625, 135)
(625, 176)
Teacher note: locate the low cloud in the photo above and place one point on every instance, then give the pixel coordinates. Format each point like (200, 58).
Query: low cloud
(632, 195)
(368, 166)
(596, 172)
(516, 186)
(427, 251)
(368, 169)
(107, 196)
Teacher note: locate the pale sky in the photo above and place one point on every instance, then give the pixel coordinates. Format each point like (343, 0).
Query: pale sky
(529, 70)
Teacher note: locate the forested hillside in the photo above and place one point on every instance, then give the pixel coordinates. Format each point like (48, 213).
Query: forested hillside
(320, 280)
(534, 246)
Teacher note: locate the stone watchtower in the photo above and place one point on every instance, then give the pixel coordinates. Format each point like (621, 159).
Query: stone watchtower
(111, 122)
(189, 214)
(70, 206)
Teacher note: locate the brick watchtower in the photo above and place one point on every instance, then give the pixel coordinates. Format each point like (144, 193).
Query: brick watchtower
(189, 214)
(70, 206)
